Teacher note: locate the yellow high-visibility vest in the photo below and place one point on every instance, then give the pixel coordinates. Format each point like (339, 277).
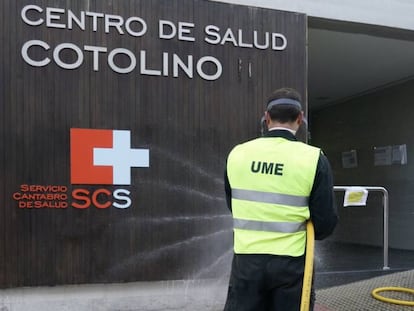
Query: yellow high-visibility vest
(271, 179)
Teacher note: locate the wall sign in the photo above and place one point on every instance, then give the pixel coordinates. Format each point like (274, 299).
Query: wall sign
(349, 159)
(389, 155)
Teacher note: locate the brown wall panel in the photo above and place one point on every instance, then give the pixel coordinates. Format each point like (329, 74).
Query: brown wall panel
(177, 226)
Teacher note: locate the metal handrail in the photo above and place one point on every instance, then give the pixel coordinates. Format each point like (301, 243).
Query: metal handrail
(385, 215)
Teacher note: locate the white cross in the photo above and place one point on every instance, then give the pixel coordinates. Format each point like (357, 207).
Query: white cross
(121, 157)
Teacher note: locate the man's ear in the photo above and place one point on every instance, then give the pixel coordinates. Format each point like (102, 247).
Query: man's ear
(267, 117)
(300, 118)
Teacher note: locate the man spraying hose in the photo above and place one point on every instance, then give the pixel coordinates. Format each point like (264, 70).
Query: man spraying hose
(275, 184)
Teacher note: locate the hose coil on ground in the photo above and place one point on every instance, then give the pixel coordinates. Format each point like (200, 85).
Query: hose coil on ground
(377, 296)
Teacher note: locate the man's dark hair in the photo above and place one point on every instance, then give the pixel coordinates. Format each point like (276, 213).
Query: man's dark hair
(284, 112)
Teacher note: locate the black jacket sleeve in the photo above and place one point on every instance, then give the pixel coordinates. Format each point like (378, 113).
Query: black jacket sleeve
(323, 211)
(227, 189)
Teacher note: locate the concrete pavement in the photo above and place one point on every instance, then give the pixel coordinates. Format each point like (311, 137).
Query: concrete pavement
(140, 296)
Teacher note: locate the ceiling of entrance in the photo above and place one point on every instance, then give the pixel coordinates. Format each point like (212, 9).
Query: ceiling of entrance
(343, 65)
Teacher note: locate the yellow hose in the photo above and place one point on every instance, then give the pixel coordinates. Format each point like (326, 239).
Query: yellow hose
(307, 276)
(375, 294)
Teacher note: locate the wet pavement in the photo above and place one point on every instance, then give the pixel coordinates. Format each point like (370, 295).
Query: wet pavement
(344, 277)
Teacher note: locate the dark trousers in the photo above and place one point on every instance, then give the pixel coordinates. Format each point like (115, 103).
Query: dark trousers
(266, 283)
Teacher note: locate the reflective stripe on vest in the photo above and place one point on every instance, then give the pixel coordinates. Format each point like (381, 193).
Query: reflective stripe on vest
(283, 227)
(268, 197)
